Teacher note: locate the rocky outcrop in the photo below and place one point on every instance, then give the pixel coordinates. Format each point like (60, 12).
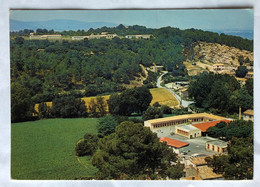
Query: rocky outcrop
(214, 53)
(202, 56)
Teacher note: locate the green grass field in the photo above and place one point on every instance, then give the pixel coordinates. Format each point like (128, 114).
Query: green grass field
(45, 149)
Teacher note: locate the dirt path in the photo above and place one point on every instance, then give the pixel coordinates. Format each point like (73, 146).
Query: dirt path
(78, 157)
(145, 72)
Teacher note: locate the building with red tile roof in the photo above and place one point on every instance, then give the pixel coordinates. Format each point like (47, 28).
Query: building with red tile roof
(174, 143)
(204, 126)
(165, 126)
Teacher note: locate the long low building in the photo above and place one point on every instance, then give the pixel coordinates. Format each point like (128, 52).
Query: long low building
(139, 36)
(166, 126)
(46, 36)
(95, 36)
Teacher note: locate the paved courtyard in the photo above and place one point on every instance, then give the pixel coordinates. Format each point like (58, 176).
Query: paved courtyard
(197, 145)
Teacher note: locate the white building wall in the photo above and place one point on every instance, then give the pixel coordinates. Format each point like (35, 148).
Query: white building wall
(247, 117)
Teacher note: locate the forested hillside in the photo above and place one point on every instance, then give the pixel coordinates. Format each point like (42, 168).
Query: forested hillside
(44, 69)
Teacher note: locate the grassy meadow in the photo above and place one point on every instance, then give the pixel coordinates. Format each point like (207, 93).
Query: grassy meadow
(45, 149)
(163, 97)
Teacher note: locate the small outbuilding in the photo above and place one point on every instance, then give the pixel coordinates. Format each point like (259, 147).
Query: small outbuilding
(218, 146)
(248, 115)
(184, 92)
(218, 67)
(174, 144)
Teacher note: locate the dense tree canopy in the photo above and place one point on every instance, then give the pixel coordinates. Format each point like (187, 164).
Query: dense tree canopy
(22, 106)
(87, 146)
(106, 125)
(131, 100)
(152, 113)
(250, 86)
(68, 107)
(220, 93)
(90, 67)
(238, 128)
(134, 152)
(241, 71)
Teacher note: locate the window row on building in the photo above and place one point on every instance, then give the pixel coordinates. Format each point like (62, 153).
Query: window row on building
(177, 122)
(179, 131)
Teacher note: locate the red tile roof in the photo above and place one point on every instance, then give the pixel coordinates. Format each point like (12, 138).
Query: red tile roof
(204, 126)
(173, 143)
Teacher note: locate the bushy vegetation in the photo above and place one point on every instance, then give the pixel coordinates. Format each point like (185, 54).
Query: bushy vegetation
(150, 82)
(87, 146)
(47, 69)
(241, 71)
(180, 111)
(107, 125)
(129, 101)
(239, 129)
(152, 113)
(156, 111)
(22, 107)
(220, 93)
(97, 108)
(68, 107)
(170, 78)
(134, 152)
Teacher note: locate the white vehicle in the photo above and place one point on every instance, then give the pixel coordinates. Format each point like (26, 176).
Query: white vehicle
(194, 155)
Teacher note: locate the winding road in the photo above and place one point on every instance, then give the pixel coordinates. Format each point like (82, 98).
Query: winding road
(183, 103)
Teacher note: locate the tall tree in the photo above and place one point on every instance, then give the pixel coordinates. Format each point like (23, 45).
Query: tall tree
(152, 113)
(101, 106)
(250, 86)
(237, 128)
(106, 125)
(44, 111)
(22, 107)
(129, 101)
(87, 146)
(134, 152)
(68, 107)
(241, 71)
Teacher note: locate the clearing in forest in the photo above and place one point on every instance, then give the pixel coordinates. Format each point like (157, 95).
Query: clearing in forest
(164, 97)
